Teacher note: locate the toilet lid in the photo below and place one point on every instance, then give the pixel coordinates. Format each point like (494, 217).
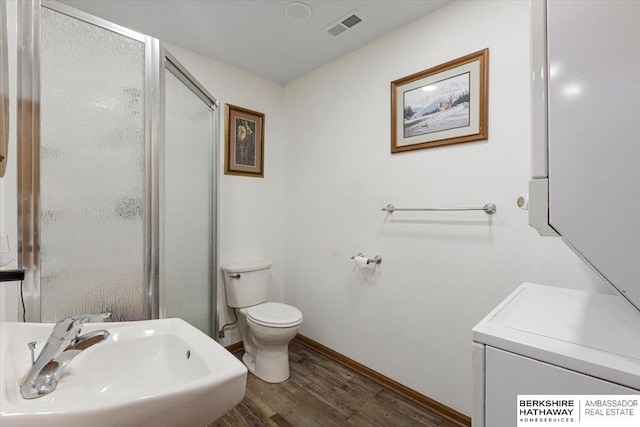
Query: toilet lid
(274, 314)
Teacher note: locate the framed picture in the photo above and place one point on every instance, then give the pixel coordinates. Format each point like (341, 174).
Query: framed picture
(447, 104)
(244, 142)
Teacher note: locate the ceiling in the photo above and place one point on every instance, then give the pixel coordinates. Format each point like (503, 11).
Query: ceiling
(255, 35)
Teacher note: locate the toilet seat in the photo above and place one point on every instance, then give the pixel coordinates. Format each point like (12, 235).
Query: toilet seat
(274, 315)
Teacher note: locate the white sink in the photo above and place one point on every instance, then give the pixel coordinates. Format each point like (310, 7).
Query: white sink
(155, 372)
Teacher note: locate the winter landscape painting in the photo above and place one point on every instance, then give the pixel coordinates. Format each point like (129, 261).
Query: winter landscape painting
(445, 104)
(437, 106)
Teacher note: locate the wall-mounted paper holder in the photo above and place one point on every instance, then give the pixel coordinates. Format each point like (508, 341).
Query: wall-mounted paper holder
(375, 260)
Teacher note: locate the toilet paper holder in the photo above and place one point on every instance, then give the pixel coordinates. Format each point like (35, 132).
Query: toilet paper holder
(376, 259)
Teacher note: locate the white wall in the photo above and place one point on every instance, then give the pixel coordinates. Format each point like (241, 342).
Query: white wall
(441, 272)
(251, 221)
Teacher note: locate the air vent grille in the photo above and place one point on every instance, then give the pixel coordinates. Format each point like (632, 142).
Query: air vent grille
(337, 30)
(344, 24)
(351, 21)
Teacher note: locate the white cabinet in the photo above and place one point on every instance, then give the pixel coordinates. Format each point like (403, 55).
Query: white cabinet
(585, 133)
(593, 50)
(548, 340)
(508, 375)
(585, 188)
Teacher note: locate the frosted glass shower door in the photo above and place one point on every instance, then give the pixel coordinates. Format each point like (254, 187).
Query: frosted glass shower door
(92, 170)
(187, 216)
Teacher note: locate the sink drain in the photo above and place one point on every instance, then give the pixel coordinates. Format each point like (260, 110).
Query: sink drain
(188, 354)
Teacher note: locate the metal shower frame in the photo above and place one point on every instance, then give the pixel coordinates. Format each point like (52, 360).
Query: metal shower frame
(158, 60)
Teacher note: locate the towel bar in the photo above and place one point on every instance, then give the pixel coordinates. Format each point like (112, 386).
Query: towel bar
(489, 208)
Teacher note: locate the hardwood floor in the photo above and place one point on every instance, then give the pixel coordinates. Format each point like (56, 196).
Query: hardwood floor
(323, 393)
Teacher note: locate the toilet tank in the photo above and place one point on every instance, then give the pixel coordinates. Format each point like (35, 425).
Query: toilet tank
(246, 283)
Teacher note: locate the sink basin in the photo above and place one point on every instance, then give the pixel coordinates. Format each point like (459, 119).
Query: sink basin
(155, 372)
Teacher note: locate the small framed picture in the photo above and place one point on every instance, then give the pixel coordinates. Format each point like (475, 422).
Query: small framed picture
(244, 142)
(446, 104)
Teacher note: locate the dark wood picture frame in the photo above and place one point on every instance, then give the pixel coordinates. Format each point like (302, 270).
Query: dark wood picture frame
(244, 142)
(446, 104)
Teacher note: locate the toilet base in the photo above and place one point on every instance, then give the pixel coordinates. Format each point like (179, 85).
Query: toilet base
(269, 366)
(249, 363)
(269, 358)
(266, 349)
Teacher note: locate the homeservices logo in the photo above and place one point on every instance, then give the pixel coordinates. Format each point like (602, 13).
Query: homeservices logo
(578, 410)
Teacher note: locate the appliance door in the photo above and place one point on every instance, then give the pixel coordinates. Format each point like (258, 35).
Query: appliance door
(509, 375)
(594, 135)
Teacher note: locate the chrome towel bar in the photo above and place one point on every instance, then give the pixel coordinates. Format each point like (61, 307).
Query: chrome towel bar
(489, 208)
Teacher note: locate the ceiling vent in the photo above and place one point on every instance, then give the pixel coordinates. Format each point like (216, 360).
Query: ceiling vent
(344, 24)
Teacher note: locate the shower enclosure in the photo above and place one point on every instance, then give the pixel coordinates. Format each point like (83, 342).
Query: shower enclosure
(117, 173)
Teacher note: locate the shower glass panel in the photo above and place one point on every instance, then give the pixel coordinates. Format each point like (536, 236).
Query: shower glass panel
(92, 170)
(187, 200)
(117, 165)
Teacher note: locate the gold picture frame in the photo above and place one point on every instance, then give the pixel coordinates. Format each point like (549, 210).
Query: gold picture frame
(244, 142)
(446, 104)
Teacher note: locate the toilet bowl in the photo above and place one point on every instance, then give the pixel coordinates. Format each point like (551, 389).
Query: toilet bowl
(266, 328)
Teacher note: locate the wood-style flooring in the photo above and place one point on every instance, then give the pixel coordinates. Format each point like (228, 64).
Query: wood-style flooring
(323, 393)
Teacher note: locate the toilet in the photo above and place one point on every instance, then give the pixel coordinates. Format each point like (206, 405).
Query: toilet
(265, 327)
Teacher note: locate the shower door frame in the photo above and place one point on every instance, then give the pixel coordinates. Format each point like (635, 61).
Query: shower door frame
(157, 58)
(170, 64)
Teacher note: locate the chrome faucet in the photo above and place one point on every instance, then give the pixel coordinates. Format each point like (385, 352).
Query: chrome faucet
(62, 346)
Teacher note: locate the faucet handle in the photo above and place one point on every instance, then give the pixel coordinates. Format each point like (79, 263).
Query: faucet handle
(69, 327)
